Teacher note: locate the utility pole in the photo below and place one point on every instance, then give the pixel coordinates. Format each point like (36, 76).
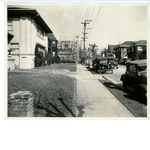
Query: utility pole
(93, 46)
(84, 33)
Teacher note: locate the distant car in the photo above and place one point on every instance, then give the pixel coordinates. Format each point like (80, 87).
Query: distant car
(82, 60)
(103, 65)
(113, 62)
(135, 78)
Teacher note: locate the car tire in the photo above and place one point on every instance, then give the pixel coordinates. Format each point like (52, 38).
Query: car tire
(99, 71)
(141, 96)
(124, 84)
(111, 71)
(102, 72)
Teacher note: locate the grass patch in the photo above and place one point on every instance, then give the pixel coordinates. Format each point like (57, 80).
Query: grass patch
(71, 67)
(53, 93)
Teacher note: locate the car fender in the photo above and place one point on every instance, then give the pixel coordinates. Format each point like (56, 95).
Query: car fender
(123, 77)
(142, 87)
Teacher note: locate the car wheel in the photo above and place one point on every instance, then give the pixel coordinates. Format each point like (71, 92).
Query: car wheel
(141, 97)
(99, 71)
(111, 71)
(124, 84)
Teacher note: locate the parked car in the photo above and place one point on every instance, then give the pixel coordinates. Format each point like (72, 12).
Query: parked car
(123, 61)
(102, 65)
(114, 62)
(82, 60)
(135, 78)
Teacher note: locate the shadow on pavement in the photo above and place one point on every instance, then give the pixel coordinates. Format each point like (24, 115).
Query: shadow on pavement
(127, 98)
(126, 93)
(80, 109)
(92, 71)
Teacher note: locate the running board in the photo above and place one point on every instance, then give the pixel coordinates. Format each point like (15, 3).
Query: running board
(131, 88)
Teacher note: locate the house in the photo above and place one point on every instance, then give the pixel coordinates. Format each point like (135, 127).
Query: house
(52, 45)
(111, 48)
(66, 50)
(10, 60)
(122, 50)
(29, 37)
(138, 50)
(131, 49)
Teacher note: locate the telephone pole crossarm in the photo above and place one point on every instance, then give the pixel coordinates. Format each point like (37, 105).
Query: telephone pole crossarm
(85, 23)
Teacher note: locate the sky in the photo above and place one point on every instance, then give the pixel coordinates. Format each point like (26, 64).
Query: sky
(111, 23)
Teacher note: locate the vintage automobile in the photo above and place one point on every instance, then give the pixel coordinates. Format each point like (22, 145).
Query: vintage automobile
(102, 65)
(82, 60)
(114, 62)
(135, 78)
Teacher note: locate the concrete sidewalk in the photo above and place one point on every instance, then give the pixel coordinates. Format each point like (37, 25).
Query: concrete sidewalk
(94, 98)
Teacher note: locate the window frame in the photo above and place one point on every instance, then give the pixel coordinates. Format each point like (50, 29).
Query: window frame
(135, 68)
(14, 48)
(10, 24)
(41, 36)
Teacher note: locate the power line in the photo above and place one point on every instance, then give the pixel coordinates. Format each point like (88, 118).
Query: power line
(92, 12)
(93, 18)
(63, 31)
(96, 15)
(86, 12)
(98, 18)
(90, 17)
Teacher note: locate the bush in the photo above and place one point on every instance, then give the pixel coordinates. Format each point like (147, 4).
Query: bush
(68, 61)
(56, 59)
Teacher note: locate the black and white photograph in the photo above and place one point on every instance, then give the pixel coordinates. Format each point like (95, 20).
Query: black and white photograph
(76, 60)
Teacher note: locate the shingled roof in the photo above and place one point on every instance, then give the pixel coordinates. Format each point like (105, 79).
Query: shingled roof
(141, 42)
(126, 44)
(111, 47)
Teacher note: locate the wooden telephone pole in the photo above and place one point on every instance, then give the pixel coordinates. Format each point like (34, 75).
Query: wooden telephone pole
(93, 46)
(84, 33)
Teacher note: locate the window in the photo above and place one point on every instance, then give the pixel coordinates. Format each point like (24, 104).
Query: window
(9, 25)
(14, 46)
(40, 33)
(139, 48)
(142, 68)
(133, 68)
(54, 44)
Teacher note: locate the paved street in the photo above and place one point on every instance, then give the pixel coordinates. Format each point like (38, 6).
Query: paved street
(93, 97)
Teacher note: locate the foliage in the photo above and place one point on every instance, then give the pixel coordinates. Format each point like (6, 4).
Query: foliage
(67, 61)
(56, 59)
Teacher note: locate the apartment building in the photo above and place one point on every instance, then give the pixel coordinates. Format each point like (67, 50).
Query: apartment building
(27, 37)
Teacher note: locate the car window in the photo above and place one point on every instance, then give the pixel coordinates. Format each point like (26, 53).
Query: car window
(142, 68)
(132, 68)
(103, 61)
